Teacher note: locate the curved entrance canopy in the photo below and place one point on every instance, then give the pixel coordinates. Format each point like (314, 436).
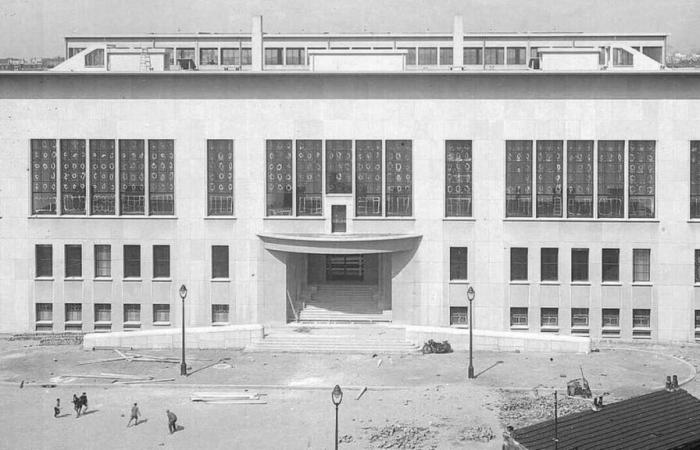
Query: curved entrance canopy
(348, 244)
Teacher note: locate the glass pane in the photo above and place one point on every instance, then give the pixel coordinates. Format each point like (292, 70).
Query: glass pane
(219, 261)
(44, 260)
(43, 176)
(518, 178)
(695, 179)
(368, 182)
(73, 261)
(579, 173)
(309, 178)
(131, 176)
(611, 179)
(458, 178)
(279, 178)
(208, 56)
(472, 56)
(220, 177)
(161, 184)
(579, 264)
(73, 176)
(458, 263)
(642, 186)
(550, 167)
(338, 167)
(102, 186)
(518, 264)
(132, 261)
(642, 262)
(549, 259)
(399, 181)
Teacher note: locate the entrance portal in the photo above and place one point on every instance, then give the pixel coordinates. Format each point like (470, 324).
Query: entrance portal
(345, 267)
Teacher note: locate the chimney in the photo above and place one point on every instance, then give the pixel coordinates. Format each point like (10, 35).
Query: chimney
(458, 42)
(256, 39)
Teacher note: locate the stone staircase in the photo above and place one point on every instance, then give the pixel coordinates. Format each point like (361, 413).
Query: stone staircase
(342, 303)
(364, 339)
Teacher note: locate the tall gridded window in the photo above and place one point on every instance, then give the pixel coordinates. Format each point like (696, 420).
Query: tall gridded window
(103, 261)
(132, 261)
(368, 178)
(427, 56)
(611, 179)
(161, 184)
(641, 265)
(102, 177)
(161, 261)
(161, 313)
(642, 183)
(579, 179)
(518, 178)
(219, 261)
(132, 182)
(518, 264)
(472, 56)
(516, 55)
(446, 56)
(295, 57)
(459, 263)
(43, 260)
(458, 178)
(309, 178)
(73, 190)
(494, 56)
(273, 57)
(208, 57)
(579, 264)
(399, 178)
(220, 177)
(279, 177)
(550, 167)
(549, 264)
(103, 312)
(338, 167)
(132, 313)
(694, 179)
(73, 261)
(611, 265)
(43, 176)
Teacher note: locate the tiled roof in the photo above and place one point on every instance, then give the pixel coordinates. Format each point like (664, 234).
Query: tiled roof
(660, 420)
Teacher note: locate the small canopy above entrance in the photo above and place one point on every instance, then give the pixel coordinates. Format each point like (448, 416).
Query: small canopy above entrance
(348, 244)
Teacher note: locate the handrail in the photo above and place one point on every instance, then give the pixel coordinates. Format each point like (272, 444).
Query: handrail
(291, 303)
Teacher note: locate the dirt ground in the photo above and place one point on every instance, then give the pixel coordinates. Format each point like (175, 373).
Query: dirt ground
(413, 401)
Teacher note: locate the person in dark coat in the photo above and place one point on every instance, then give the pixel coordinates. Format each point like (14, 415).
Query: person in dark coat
(57, 408)
(83, 403)
(135, 413)
(172, 419)
(76, 405)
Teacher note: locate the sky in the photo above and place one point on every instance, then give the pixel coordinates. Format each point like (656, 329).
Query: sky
(37, 27)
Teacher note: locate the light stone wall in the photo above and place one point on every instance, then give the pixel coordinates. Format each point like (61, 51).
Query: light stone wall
(421, 292)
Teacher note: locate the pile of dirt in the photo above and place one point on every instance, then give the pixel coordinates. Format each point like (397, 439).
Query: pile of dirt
(479, 433)
(519, 409)
(401, 436)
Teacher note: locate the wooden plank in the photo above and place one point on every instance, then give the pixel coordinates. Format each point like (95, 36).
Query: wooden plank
(100, 361)
(157, 380)
(127, 376)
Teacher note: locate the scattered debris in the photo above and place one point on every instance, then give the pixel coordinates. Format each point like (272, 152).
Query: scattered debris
(436, 347)
(379, 363)
(401, 436)
(362, 392)
(138, 357)
(479, 433)
(221, 366)
(520, 410)
(346, 438)
(50, 385)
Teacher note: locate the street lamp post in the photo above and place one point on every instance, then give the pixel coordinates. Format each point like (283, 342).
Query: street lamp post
(470, 296)
(183, 365)
(337, 397)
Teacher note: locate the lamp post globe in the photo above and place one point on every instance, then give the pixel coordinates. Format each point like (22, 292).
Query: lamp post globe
(183, 364)
(336, 397)
(470, 296)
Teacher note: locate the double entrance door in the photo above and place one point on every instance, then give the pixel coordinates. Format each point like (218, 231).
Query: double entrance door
(345, 267)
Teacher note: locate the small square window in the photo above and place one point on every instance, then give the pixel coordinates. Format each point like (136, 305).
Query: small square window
(459, 315)
(132, 315)
(579, 317)
(549, 318)
(611, 322)
(161, 313)
(219, 313)
(103, 312)
(641, 323)
(518, 317)
(44, 317)
(459, 263)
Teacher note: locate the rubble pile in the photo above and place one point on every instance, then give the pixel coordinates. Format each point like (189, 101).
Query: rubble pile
(523, 409)
(401, 436)
(479, 433)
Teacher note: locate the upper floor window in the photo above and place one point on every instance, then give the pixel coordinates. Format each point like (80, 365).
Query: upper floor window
(549, 264)
(399, 173)
(611, 179)
(579, 264)
(697, 266)
(694, 179)
(338, 167)
(642, 183)
(161, 261)
(103, 261)
(459, 263)
(518, 178)
(611, 265)
(44, 190)
(102, 177)
(641, 264)
(73, 183)
(473, 56)
(309, 178)
(74, 261)
(132, 261)
(132, 179)
(427, 56)
(494, 56)
(219, 261)
(445, 56)
(273, 57)
(43, 259)
(161, 186)
(579, 179)
(295, 57)
(622, 57)
(518, 264)
(550, 166)
(208, 56)
(279, 177)
(220, 177)
(458, 178)
(516, 55)
(368, 178)
(95, 58)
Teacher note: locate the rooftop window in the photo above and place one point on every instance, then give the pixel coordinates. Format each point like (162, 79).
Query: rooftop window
(95, 58)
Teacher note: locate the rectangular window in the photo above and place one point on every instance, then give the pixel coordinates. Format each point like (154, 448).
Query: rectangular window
(185, 57)
(102, 185)
(411, 56)
(208, 57)
(446, 56)
(43, 176)
(161, 261)
(74, 312)
(338, 167)
(161, 314)
(219, 313)
(427, 56)
(279, 178)
(458, 178)
(579, 179)
(95, 58)
(494, 56)
(579, 318)
(230, 57)
(641, 262)
(549, 264)
(611, 179)
(611, 265)
(473, 56)
(74, 51)
(44, 312)
(368, 178)
(550, 167)
(622, 57)
(132, 261)
(246, 56)
(273, 56)
(339, 223)
(309, 178)
(72, 176)
(43, 258)
(132, 187)
(697, 264)
(694, 179)
(518, 317)
(611, 318)
(518, 264)
(518, 178)
(516, 55)
(161, 185)
(220, 177)
(549, 318)
(219, 261)
(459, 315)
(74, 261)
(132, 315)
(103, 261)
(103, 312)
(641, 323)
(399, 178)
(579, 264)
(458, 263)
(295, 57)
(642, 183)
(654, 53)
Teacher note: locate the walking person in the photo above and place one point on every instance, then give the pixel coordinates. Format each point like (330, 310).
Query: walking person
(83, 403)
(57, 408)
(135, 413)
(172, 418)
(76, 405)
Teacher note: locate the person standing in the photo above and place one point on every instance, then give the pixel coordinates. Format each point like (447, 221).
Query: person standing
(83, 403)
(135, 413)
(76, 405)
(57, 408)
(172, 419)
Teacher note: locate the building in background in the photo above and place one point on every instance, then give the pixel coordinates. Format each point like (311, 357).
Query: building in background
(364, 177)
